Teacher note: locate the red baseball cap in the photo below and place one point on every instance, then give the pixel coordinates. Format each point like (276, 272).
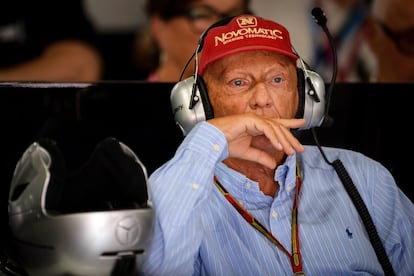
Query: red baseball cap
(244, 33)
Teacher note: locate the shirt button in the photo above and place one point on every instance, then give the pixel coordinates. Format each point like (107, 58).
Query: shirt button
(195, 186)
(275, 214)
(248, 185)
(289, 188)
(216, 147)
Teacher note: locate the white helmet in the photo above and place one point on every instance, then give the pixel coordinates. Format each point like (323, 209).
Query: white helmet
(96, 220)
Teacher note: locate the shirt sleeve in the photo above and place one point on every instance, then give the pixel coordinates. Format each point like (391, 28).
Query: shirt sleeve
(179, 190)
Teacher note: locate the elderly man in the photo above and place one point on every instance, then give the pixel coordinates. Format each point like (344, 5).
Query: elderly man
(242, 196)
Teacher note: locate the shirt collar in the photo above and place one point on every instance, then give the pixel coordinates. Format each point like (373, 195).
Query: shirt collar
(286, 174)
(235, 182)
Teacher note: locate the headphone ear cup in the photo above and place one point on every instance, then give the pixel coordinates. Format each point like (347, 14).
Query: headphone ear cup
(187, 104)
(312, 99)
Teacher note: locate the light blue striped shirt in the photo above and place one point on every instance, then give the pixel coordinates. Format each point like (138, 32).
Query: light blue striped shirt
(198, 232)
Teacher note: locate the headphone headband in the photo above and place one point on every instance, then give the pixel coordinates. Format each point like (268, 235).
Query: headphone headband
(221, 22)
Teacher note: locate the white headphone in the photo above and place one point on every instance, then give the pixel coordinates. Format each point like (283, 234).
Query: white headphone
(190, 102)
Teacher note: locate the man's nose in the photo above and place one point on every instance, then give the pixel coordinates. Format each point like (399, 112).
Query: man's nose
(261, 96)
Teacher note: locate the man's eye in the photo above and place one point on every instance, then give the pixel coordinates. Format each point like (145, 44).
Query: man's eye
(277, 79)
(238, 83)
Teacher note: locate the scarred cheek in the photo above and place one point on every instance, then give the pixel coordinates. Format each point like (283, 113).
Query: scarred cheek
(226, 106)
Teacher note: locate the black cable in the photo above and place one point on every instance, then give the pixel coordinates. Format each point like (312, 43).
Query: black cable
(341, 171)
(320, 19)
(365, 216)
(361, 208)
(186, 65)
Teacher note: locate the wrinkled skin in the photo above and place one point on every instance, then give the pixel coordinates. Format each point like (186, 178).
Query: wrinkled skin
(254, 97)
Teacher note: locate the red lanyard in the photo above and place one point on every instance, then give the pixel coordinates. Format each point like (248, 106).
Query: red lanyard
(295, 257)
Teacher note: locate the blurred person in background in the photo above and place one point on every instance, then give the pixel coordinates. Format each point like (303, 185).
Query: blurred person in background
(345, 21)
(175, 27)
(390, 35)
(47, 41)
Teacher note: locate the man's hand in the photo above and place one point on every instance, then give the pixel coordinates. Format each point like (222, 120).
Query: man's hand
(243, 130)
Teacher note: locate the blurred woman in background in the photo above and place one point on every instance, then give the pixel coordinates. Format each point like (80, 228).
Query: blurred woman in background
(390, 35)
(174, 28)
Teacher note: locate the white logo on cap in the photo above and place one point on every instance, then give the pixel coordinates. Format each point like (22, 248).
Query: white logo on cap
(247, 21)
